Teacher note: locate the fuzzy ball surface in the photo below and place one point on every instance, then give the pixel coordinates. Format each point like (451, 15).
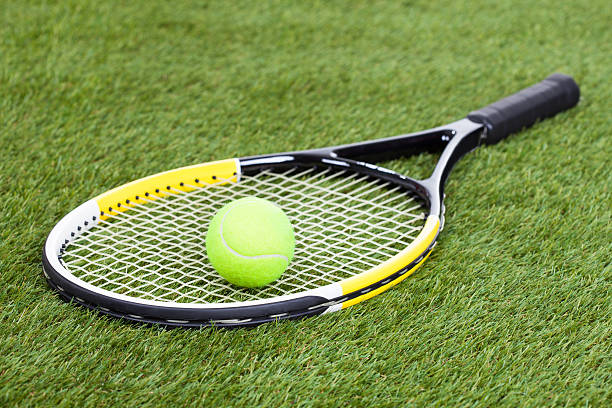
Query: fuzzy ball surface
(250, 242)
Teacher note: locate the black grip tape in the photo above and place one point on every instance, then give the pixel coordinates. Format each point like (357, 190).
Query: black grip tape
(555, 94)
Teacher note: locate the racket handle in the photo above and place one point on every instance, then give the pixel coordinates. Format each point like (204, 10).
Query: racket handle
(555, 94)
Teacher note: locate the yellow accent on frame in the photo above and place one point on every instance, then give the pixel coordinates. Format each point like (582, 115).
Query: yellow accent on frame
(156, 186)
(384, 287)
(392, 265)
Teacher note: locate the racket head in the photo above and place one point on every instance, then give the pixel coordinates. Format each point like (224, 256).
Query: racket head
(137, 252)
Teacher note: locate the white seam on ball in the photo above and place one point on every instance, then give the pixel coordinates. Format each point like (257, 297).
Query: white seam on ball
(236, 253)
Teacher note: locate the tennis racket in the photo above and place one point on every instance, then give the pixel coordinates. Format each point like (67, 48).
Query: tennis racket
(137, 252)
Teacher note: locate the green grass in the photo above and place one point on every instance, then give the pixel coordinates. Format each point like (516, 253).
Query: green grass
(514, 307)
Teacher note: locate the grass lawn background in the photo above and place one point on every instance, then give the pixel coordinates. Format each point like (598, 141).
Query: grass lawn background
(513, 308)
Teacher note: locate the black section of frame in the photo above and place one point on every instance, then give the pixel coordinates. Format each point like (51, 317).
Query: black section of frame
(377, 150)
(394, 147)
(193, 324)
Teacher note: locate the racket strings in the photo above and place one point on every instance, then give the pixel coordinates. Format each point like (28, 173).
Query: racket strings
(344, 222)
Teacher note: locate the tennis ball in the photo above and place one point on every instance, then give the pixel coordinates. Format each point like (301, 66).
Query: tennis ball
(250, 242)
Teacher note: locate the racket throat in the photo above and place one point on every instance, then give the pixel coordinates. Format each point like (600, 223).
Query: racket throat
(466, 136)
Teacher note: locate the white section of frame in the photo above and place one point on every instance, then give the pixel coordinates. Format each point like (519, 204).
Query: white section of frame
(267, 160)
(69, 224)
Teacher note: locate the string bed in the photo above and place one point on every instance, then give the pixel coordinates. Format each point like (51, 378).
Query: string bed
(345, 223)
